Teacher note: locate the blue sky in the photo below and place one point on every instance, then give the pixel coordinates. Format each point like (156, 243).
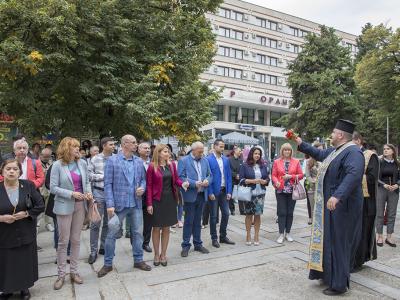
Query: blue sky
(345, 15)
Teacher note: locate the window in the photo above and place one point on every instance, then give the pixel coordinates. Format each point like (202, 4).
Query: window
(260, 117)
(219, 112)
(273, 25)
(294, 31)
(237, 53)
(231, 14)
(224, 51)
(260, 77)
(273, 43)
(247, 116)
(273, 61)
(226, 13)
(261, 40)
(230, 52)
(303, 33)
(237, 16)
(261, 22)
(230, 72)
(295, 49)
(273, 80)
(233, 111)
(275, 116)
(230, 33)
(262, 59)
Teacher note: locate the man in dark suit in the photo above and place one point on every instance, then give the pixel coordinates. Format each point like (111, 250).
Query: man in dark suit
(219, 193)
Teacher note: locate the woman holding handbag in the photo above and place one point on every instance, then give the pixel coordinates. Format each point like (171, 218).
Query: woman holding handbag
(286, 173)
(20, 204)
(254, 173)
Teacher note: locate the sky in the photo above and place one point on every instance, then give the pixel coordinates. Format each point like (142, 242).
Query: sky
(346, 15)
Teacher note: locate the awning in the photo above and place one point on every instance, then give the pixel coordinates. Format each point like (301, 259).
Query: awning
(238, 138)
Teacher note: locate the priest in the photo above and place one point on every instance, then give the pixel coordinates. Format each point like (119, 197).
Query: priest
(336, 227)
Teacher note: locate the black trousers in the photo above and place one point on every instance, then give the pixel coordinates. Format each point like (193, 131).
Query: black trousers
(147, 227)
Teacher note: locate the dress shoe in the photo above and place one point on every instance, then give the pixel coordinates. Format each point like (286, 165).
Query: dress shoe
(104, 271)
(226, 241)
(127, 234)
(25, 294)
(147, 248)
(59, 283)
(379, 244)
(142, 266)
(216, 244)
(232, 212)
(202, 249)
(332, 292)
(185, 252)
(92, 258)
(5, 296)
(390, 243)
(102, 252)
(76, 278)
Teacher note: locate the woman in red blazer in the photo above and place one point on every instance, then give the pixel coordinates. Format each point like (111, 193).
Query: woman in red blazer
(161, 196)
(285, 172)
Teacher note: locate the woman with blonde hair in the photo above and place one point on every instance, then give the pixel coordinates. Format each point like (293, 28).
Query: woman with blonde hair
(69, 182)
(161, 196)
(286, 171)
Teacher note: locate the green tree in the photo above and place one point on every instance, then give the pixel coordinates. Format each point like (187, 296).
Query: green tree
(107, 66)
(322, 86)
(378, 81)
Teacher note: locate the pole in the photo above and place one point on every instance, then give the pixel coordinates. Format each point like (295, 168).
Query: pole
(387, 130)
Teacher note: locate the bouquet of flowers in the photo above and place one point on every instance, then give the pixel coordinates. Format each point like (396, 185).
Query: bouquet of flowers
(291, 135)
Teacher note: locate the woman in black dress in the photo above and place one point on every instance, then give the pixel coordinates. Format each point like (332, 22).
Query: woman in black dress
(162, 194)
(20, 204)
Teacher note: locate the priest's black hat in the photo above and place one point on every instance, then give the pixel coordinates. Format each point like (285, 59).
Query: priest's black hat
(345, 125)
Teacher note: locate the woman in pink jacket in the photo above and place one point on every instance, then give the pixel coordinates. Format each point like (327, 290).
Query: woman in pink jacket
(285, 172)
(161, 196)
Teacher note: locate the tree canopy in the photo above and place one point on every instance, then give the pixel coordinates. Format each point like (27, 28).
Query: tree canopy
(107, 66)
(321, 80)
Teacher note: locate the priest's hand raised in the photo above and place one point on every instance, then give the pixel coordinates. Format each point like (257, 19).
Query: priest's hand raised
(332, 202)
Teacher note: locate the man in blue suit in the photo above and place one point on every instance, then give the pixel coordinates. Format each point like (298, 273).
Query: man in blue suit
(219, 193)
(124, 186)
(195, 169)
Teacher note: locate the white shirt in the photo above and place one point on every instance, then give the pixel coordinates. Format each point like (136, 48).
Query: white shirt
(24, 169)
(221, 169)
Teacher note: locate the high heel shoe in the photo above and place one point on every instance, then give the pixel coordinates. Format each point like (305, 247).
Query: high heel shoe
(156, 263)
(164, 262)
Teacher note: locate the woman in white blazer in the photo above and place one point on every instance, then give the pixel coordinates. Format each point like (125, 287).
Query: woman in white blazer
(69, 182)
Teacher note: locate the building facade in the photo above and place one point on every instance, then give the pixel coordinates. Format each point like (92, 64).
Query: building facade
(254, 46)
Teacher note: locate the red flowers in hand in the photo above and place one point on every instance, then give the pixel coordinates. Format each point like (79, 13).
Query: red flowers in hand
(291, 135)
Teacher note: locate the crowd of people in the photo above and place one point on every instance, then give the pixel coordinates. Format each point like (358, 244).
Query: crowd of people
(350, 192)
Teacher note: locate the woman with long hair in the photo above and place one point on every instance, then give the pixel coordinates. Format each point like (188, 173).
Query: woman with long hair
(69, 182)
(255, 173)
(161, 196)
(388, 194)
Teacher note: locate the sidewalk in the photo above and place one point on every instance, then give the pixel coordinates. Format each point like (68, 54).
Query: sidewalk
(268, 271)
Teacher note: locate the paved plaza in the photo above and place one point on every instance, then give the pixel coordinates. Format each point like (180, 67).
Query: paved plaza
(268, 271)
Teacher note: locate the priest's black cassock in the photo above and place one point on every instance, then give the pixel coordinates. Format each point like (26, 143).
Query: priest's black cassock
(342, 226)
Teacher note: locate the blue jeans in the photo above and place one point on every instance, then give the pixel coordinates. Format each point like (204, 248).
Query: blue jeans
(219, 202)
(135, 216)
(180, 212)
(192, 224)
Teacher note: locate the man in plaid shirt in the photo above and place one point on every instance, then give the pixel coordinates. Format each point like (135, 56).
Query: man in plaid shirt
(96, 176)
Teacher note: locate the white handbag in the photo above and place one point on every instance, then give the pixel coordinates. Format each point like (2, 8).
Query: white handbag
(244, 192)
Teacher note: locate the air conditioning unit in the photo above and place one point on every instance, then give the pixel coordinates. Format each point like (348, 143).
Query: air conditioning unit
(216, 27)
(244, 75)
(280, 26)
(280, 60)
(247, 53)
(253, 76)
(215, 69)
(253, 54)
(246, 17)
(280, 80)
(246, 36)
(343, 43)
(287, 45)
(280, 44)
(253, 35)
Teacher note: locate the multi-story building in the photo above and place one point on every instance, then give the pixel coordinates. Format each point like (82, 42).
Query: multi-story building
(255, 45)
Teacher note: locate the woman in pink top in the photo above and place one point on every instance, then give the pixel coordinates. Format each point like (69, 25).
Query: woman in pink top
(162, 194)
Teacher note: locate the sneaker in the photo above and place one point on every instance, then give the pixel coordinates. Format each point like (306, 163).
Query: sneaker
(280, 239)
(288, 237)
(50, 227)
